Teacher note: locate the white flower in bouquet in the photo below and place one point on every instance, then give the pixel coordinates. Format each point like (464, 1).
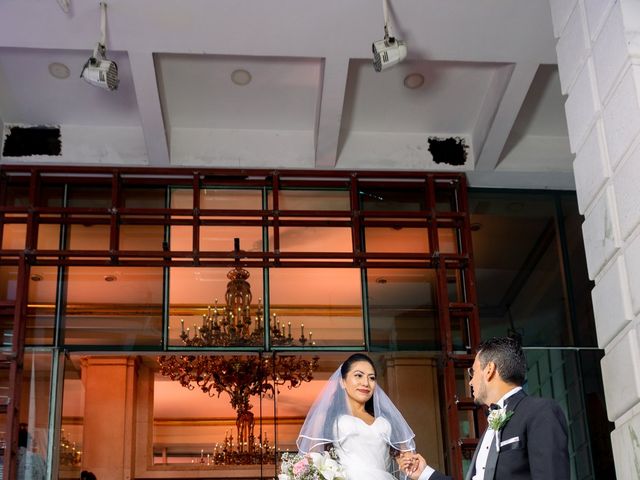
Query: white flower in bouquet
(312, 466)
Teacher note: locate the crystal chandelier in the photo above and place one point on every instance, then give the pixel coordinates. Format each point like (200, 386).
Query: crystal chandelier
(241, 377)
(232, 324)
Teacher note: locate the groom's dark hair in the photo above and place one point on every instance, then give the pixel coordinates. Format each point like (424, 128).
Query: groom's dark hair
(506, 353)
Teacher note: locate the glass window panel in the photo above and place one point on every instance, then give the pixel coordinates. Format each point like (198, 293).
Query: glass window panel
(312, 200)
(72, 422)
(402, 309)
(8, 282)
(113, 306)
(448, 240)
(446, 198)
(141, 237)
(17, 195)
(181, 198)
(194, 292)
(48, 236)
(518, 268)
(34, 415)
(454, 286)
(226, 199)
(221, 238)
(192, 428)
(14, 236)
(43, 284)
(396, 240)
(89, 196)
(89, 237)
(181, 239)
(141, 197)
(314, 239)
(323, 305)
(406, 197)
(51, 195)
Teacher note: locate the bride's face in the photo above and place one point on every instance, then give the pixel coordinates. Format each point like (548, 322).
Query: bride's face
(360, 382)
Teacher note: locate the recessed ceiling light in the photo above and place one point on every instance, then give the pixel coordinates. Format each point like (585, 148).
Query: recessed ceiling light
(110, 278)
(414, 80)
(36, 277)
(59, 70)
(381, 280)
(240, 77)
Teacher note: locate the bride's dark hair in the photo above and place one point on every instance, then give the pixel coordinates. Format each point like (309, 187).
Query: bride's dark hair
(346, 368)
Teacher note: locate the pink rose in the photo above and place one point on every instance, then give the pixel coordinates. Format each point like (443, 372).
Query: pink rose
(301, 466)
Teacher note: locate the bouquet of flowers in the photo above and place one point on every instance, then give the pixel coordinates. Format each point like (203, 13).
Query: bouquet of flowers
(311, 466)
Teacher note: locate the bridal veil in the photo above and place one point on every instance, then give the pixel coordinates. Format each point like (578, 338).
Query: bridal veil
(320, 428)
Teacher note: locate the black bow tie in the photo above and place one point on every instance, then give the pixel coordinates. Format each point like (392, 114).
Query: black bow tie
(494, 406)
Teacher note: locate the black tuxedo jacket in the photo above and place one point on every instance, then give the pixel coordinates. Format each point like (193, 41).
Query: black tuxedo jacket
(534, 444)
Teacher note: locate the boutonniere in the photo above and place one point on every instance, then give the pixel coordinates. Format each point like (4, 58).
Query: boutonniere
(498, 418)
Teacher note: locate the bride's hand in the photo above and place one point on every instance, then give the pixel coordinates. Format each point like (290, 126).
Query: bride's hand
(412, 464)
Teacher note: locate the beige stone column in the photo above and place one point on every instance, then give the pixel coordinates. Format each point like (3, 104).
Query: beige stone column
(109, 433)
(599, 64)
(412, 383)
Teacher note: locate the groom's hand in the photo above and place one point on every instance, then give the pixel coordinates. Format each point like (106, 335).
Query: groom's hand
(412, 464)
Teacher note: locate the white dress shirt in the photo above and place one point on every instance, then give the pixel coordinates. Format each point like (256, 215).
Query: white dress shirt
(483, 452)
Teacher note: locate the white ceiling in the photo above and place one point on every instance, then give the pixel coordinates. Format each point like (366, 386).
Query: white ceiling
(314, 100)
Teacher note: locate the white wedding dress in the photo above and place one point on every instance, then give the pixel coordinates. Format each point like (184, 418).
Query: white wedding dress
(363, 450)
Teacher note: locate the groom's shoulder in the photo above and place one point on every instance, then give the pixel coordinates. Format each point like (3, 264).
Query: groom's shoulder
(540, 405)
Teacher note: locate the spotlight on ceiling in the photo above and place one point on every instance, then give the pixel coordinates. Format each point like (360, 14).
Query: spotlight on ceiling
(388, 51)
(98, 70)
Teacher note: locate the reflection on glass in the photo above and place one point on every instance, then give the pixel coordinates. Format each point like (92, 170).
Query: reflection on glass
(220, 238)
(48, 236)
(313, 239)
(43, 284)
(323, 306)
(518, 268)
(454, 286)
(139, 197)
(8, 281)
(396, 240)
(218, 430)
(230, 199)
(402, 309)
(34, 416)
(209, 299)
(71, 449)
(448, 240)
(141, 237)
(113, 306)
(312, 200)
(89, 237)
(89, 196)
(403, 197)
(13, 236)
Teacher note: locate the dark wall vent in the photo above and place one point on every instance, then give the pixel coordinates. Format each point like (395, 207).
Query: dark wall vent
(27, 141)
(450, 151)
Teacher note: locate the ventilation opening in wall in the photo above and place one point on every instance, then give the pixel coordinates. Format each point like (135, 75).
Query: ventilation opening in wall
(27, 141)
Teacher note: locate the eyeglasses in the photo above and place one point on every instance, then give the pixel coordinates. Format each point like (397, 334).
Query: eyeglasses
(470, 372)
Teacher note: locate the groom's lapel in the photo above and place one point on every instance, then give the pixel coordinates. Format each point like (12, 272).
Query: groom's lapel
(472, 465)
(492, 460)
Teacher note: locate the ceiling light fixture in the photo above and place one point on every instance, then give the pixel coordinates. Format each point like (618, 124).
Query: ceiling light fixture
(414, 80)
(388, 51)
(241, 77)
(99, 71)
(59, 70)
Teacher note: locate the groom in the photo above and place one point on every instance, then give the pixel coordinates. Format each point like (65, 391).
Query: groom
(531, 432)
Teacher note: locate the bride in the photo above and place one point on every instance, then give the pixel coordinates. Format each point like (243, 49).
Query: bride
(356, 417)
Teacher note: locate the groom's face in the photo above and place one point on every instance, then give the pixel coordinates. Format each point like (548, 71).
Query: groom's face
(478, 383)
